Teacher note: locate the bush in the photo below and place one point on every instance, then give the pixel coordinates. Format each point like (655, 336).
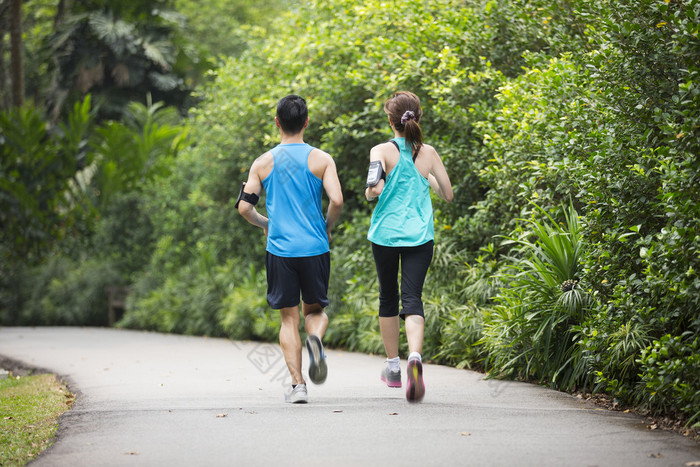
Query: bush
(68, 293)
(187, 302)
(530, 331)
(670, 372)
(245, 313)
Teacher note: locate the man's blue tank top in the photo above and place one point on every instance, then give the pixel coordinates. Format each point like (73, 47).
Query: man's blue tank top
(293, 193)
(404, 212)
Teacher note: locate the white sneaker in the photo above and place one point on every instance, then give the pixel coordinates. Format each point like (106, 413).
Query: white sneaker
(298, 395)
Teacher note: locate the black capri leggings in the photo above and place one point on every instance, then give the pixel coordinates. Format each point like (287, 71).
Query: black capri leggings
(415, 261)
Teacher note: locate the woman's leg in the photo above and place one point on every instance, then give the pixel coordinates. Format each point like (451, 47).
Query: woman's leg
(415, 262)
(415, 328)
(389, 327)
(386, 260)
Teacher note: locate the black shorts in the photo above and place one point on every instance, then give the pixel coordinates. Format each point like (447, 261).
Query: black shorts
(287, 278)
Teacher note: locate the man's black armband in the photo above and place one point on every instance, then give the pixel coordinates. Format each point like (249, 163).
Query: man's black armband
(375, 173)
(251, 198)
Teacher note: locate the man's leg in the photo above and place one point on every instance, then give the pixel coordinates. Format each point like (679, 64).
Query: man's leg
(315, 319)
(290, 341)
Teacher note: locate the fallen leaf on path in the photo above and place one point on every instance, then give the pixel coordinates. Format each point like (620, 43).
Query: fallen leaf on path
(466, 433)
(221, 415)
(653, 427)
(658, 455)
(132, 453)
(393, 413)
(693, 464)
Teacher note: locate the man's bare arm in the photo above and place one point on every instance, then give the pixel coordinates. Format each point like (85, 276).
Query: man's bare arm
(334, 191)
(247, 210)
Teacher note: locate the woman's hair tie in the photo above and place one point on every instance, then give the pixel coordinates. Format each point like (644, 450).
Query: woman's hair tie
(407, 115)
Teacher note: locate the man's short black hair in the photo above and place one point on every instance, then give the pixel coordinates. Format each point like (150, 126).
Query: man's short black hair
(292, 114)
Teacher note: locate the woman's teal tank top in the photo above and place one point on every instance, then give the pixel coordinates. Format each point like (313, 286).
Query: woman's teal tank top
(404, 213)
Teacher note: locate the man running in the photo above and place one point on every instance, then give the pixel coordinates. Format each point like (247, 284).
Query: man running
(294, 175)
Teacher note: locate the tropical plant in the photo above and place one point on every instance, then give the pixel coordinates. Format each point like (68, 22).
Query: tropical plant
(131, 154)
(40, 178)
(529, 332)
(119, 52)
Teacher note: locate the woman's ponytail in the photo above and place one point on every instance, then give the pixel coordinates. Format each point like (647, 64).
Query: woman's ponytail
(405, 112)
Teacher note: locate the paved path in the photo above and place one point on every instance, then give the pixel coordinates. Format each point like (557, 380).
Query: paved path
(159, 400)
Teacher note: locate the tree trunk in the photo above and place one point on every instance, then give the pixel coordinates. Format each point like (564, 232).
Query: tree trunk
(4, 76)
(64, 6)
(16, 53)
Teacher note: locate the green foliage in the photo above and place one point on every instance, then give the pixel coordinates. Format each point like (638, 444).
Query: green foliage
(67, 293)
(75, 191)
(188, 301)
(611, 351)
(530, 330)
(123, 235)
(222, 28)
(132, 154)
(39, 168)
(671, 372)
(119, 52)
(245, 313)
(459, 328)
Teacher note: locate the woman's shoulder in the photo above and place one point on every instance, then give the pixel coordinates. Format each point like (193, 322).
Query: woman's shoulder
(428, 150)
(384, 145)
(383, 148)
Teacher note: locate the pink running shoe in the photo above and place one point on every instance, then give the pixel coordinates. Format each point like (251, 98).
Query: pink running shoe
(391, 378)
(415, 389)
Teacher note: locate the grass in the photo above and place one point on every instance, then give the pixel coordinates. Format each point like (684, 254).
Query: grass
(29, 411)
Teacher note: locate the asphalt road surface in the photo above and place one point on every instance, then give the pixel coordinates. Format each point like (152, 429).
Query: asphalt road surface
(165, 400)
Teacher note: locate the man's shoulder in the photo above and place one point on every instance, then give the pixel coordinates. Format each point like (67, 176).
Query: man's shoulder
(319, 155)
(262, 166)
(264, 159)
